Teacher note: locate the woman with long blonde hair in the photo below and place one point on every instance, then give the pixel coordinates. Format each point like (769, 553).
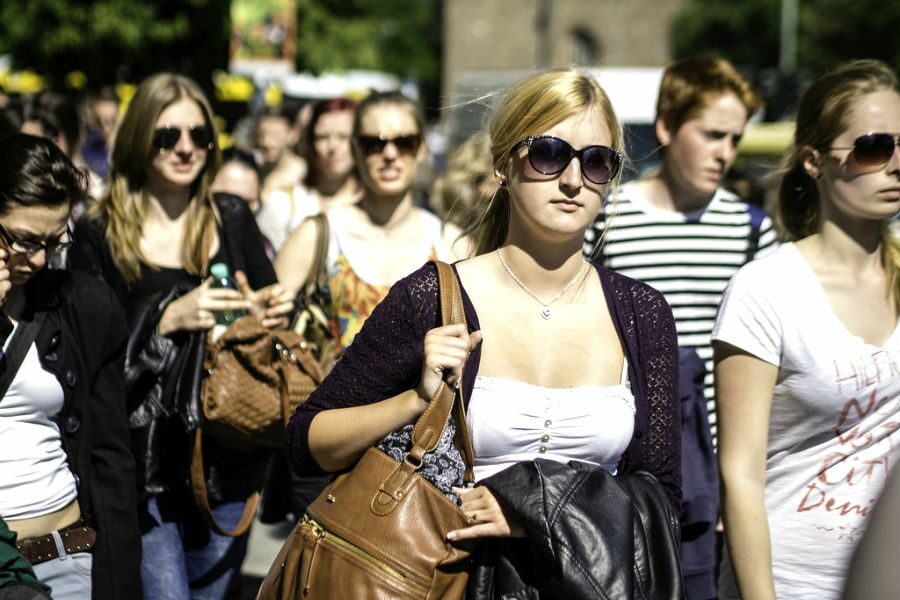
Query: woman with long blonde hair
(807, 349)
(562, 360)
(151, 240)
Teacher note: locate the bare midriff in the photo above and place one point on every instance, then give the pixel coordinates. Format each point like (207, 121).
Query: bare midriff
(44, 524)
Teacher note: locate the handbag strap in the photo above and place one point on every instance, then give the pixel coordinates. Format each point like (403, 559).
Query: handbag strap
(430, 426)
(318, 274)
(206, 241)
(21, 341)
(198, 483)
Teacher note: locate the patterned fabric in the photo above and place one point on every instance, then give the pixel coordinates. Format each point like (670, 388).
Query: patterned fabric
(444, 467)
(386, 357)
(353, 299)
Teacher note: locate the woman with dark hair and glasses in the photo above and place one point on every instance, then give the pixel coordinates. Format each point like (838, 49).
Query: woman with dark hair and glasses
(561, 361)
(330, 178)
(150, 239)
(384, 235)
(66, 470)
(807, 350)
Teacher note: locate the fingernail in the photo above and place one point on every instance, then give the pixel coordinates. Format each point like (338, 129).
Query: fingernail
(451, 535)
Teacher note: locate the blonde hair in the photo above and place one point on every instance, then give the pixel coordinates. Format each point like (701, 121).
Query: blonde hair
(531, 107)
(821, 116)
(124, 206)
(457, 189)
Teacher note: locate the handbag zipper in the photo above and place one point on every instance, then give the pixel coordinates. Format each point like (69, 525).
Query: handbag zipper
(322, 533)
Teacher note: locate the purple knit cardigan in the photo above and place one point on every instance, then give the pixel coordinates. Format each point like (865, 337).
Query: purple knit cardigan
(385, 359)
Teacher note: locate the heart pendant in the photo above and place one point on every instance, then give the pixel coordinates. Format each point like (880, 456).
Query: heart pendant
(545, 312)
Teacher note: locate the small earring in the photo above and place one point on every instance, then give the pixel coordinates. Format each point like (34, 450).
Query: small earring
(503, 183)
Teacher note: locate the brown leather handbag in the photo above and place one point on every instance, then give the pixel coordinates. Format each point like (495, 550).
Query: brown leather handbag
(380, 530)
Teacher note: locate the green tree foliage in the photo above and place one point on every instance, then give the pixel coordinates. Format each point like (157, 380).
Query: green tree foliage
(116, 39)
(112, 40)
(748, 34)
(398, 36)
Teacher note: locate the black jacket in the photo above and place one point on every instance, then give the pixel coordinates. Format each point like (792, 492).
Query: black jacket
(589, 534)
(162, 373)
(82, 342)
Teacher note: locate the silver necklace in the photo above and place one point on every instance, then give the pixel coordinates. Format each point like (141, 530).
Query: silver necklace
(545, 306)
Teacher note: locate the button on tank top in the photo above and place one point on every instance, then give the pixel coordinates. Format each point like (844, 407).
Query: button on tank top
(513, 421)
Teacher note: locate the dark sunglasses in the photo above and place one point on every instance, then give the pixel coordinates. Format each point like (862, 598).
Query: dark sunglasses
(165, 138)
(873, 150)
(30, 248)
(549, 155)
(372, 144)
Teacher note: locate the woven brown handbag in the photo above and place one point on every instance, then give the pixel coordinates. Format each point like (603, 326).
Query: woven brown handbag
(253, 379)
(380, 530)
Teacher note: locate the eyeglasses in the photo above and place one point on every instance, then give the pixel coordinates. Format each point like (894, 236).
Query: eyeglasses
(29, 248)
(166, 137)
(873, 150)
(372, 144)
(549, 155)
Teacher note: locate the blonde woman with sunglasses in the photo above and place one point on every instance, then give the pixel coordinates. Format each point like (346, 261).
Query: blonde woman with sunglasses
(385, 235)
(807, 350)
(149, 239)
(563, 363)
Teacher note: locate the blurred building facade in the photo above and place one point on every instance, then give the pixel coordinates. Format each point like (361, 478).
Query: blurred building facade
(505, 35)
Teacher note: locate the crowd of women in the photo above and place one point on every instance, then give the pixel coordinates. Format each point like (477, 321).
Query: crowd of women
(586, 304)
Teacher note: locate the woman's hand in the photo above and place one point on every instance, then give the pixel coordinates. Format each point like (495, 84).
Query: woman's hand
(480, 505)
(196, 310)
(271, 304)
(446, 350)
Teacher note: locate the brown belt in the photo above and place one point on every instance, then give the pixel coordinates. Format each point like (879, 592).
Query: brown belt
(75, 538)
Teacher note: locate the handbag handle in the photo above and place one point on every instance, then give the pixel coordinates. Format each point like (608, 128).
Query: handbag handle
(430, 426)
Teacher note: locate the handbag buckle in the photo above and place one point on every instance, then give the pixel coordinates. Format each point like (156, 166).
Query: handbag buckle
(411, 461)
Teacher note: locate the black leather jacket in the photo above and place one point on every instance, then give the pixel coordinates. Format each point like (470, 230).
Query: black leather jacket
(589, 534)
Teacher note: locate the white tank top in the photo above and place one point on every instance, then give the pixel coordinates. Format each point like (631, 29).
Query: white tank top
(34, 473)
(513, 421)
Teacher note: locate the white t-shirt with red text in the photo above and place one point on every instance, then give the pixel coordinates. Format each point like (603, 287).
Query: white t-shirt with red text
(834, 420)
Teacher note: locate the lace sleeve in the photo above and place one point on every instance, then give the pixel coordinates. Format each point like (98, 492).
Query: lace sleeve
(384, 360)
(660, 452)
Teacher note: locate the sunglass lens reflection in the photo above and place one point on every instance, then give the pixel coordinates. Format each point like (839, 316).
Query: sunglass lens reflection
(550, 156)
(165, 138)
(599, 164)
(873, 149)
(405, 144)
(201, 136)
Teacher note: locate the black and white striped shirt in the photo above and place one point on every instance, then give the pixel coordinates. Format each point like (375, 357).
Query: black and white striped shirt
(689, 258)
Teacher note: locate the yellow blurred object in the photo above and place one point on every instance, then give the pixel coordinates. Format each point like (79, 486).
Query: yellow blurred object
(226, 140)
(232, 88)
(274, 95)
(22, 82)
(125, 92)
(76, 80)
(767, 138)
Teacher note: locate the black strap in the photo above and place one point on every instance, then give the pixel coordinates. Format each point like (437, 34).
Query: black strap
(21, 341)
